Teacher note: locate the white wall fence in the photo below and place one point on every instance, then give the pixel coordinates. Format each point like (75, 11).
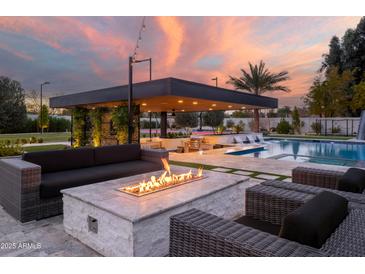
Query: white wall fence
(347, 125)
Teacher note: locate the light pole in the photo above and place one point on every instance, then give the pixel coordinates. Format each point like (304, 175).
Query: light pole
(130, 93)
(216, 81)
(41, 112)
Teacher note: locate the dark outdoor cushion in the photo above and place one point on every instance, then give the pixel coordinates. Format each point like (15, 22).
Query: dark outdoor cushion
(352, 181)
(117, 154)
(59, 160)
(53, 183)
(258, 224)
(312, 223)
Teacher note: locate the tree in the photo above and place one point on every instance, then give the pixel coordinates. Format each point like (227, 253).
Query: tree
(43, 120)
(213, 119)
(330, 97)
(13, 116)
(32, 101)
(283, 127)
(242, 114)
(284, 112)
(334, 56)
(257, 81)
(296, 123)
(187, 120)
(358, 101)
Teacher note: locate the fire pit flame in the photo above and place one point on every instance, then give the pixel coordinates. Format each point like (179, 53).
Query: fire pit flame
(166, 180)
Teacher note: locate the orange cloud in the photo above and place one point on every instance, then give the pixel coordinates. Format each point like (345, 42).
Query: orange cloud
(174, 33)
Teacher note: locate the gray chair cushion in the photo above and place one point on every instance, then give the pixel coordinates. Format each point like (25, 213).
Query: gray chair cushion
(53, 183)
(312, 223)
(60, 160)
(117, 154)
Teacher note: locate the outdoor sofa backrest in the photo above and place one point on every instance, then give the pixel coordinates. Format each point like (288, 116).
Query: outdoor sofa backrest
(59, 160)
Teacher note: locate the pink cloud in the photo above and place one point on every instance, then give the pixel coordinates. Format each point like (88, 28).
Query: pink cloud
(16, 53)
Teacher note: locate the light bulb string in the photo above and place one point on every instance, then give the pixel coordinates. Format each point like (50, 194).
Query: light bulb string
(139, 38)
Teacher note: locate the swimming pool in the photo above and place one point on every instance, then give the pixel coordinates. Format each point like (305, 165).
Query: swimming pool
(321, 152)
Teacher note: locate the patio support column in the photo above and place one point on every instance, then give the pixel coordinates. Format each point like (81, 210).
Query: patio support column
(163, 124)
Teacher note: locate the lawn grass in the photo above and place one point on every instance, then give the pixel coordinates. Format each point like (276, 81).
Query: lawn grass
(312, 137)
(47, 137)
(44, 148)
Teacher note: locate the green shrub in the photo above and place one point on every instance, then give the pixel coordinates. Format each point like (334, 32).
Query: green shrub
(10, 150)
(336, 130)
(24, 141)
(40, 140)
(32, 140)
(239, 127)
(283, 127)
(316, 127)
(220, 129)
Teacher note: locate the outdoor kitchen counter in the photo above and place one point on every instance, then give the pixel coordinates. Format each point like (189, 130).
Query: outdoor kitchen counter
(119, 224)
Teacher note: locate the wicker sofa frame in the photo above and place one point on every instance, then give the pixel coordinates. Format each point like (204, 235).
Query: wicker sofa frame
(20, 188)
(196, 233)
(317, 177)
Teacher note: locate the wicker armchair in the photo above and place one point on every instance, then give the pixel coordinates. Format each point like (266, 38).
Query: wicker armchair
(196, 233)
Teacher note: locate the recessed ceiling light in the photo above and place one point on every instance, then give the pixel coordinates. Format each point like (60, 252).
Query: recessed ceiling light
(149, 111)
(210, 109)
(230, 106)
(180, 101)
(214, 105)
(144, 104)
(243, 107)
(183, 110)
(195, 103)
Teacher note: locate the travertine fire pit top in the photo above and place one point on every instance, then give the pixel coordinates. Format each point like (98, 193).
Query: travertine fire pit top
(106, 196)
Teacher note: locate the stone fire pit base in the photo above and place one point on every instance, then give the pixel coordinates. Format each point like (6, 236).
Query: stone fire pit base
(117, 224)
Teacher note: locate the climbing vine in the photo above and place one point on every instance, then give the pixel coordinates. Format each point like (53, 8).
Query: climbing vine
(120, 123)
(96, 118)
(79, 127)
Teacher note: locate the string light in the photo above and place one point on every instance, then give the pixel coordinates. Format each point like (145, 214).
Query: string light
(139, 39)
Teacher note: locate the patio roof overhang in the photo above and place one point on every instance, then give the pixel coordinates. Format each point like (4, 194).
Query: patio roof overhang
(167, 95)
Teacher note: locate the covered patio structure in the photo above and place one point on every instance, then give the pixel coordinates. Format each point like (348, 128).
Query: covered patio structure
(167, 95)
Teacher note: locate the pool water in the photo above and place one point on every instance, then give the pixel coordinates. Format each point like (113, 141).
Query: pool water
(321, 152)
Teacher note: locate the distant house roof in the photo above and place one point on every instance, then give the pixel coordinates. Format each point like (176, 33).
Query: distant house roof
(167, 94)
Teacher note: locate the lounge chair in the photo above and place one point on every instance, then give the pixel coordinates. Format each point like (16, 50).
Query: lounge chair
(250, 139)
(196, 233)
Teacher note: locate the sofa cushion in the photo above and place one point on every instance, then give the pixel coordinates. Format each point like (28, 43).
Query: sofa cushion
(352, 181)
(53, 183)
(312, 223)
(117, 154)
(59, 160)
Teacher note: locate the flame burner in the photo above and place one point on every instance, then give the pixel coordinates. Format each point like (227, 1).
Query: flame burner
(165, 181)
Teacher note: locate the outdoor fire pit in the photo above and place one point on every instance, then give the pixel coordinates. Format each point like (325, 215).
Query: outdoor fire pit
(117, 219)
(167, 180)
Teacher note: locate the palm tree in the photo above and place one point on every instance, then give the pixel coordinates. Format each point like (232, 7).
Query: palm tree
(258, 81)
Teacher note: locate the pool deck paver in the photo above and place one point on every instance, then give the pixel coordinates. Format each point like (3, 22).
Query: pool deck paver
(267, 177)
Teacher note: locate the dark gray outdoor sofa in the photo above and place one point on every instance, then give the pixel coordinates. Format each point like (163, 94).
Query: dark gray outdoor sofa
(353, 180)
(197, 233)
(30, 186)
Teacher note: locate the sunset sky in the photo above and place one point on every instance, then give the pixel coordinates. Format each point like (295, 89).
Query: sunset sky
(84, 53)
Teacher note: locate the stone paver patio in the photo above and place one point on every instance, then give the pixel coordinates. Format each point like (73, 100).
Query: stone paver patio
(38, 238)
